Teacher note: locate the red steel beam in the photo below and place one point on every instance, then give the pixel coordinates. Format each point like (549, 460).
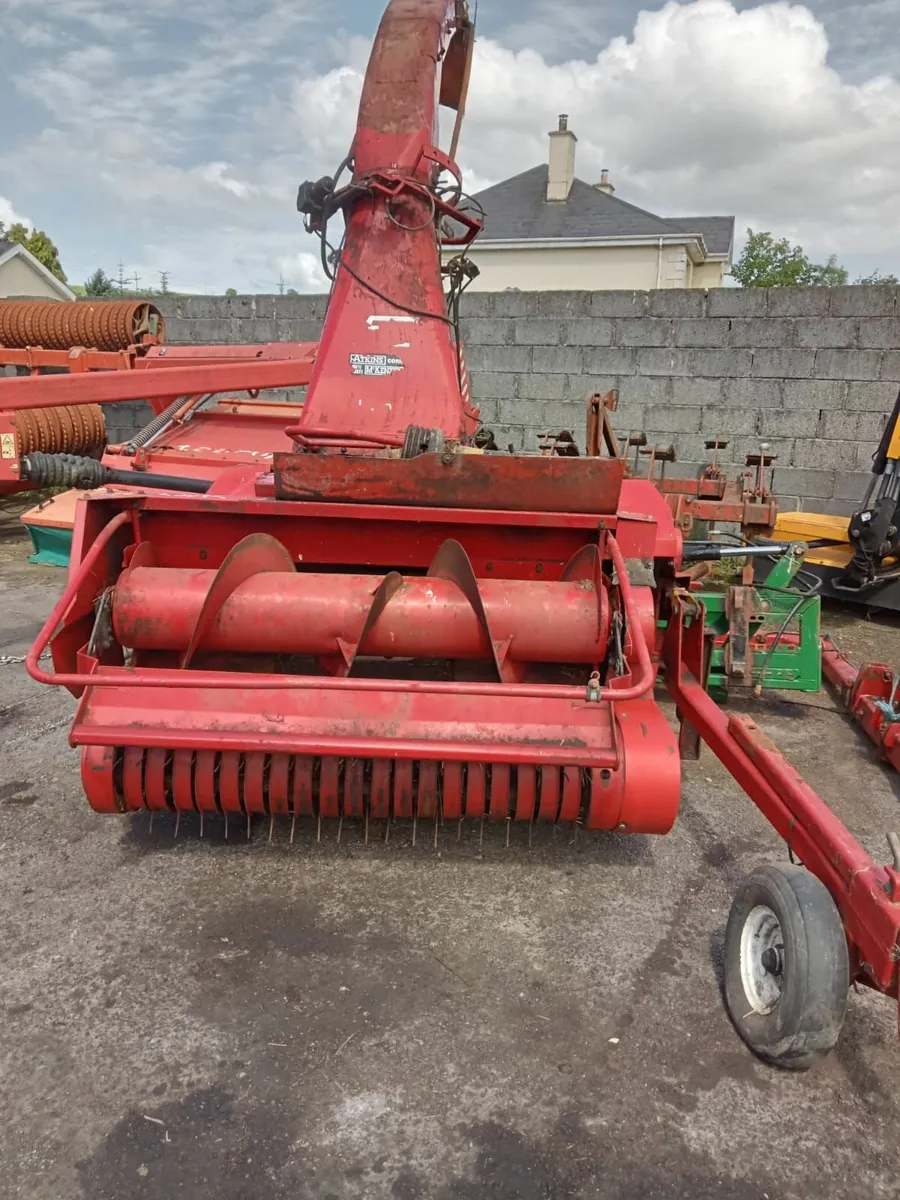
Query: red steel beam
(860, 692)
(105, 387)
(865, 893)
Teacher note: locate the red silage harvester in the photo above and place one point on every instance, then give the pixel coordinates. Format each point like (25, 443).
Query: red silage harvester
(399, 623)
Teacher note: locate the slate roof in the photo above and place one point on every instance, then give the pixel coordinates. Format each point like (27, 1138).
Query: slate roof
(517, 210)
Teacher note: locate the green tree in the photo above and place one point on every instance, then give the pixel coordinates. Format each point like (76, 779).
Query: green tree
(231, 291)
(99, 284)
(829, 275)
(769, 262)
(37, 243)
(877, 277)
(765, 262)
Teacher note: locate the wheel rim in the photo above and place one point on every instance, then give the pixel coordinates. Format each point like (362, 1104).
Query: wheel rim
(762, 959)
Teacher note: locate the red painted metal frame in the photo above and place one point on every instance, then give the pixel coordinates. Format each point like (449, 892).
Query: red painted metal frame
(78, 360)
(858, 691)
(706, 499)
(75, 680)
(866, 894)
(35, 358)
(103, 387)
(230, 433)
(500, 482)
(190, 711)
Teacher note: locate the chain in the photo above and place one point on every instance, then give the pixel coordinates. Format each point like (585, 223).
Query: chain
(13, 660)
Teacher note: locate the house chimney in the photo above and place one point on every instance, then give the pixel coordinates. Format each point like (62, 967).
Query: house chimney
(604, 185)
(562, 161)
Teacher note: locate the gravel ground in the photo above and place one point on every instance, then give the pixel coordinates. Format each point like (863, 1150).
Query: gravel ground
(252, 1021)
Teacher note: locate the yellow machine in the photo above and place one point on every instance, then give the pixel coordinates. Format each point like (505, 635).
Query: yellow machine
(858, 557)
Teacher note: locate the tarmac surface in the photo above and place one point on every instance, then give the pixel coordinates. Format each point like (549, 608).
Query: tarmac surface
(251, 1021)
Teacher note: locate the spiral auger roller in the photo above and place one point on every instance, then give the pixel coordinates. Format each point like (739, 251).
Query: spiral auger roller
(79, 429)
(444, 625)
(92, 324)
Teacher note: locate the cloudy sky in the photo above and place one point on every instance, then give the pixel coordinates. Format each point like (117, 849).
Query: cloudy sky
(171, 136)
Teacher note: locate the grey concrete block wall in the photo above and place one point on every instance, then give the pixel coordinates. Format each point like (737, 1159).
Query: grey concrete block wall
(813, 372)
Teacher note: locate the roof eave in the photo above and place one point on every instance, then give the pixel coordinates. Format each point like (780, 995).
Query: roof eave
(58, 286)
(694, 244)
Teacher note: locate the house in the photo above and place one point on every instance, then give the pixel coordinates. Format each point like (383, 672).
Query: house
(22, 277)
(548, 230)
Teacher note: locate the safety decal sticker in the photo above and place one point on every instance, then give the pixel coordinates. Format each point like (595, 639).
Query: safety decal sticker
(375, 364)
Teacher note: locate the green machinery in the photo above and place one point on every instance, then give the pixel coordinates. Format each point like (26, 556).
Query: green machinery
(766, 634)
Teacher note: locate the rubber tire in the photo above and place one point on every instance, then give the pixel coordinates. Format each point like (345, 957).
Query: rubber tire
(805, 1022)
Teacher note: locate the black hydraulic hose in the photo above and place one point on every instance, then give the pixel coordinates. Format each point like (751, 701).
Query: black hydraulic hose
(75, 471)
(711, 551)
(880, 459)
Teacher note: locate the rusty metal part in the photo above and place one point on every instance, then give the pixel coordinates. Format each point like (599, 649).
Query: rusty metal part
(599, 434)
(94, 324)
(76, 430)
(483, 481)
(869, 694)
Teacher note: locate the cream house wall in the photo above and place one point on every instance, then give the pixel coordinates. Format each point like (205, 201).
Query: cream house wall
(592, 268)
(709, 275)
(567, 269)
(675, 269)
(18, 278)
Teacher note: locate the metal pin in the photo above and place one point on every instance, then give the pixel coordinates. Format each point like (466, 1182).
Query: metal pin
(319, 829)
(575, 838)
(481, 834)
(387, 831)
(201, 824)
(248, 827)
(508, 823)
(415, 826)
(152, 815)
(177, 823)
(271, 826)
(459, 830)
(436, 826)
(226, 826)
(293, 827)
(367, 827)
(340, 827)
(530, 829)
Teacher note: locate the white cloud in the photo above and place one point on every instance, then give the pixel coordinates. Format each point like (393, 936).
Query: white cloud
(189, 154)
(9, 216)
(704, 109)
(303, 271)
(216, 173)
(707, 109)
